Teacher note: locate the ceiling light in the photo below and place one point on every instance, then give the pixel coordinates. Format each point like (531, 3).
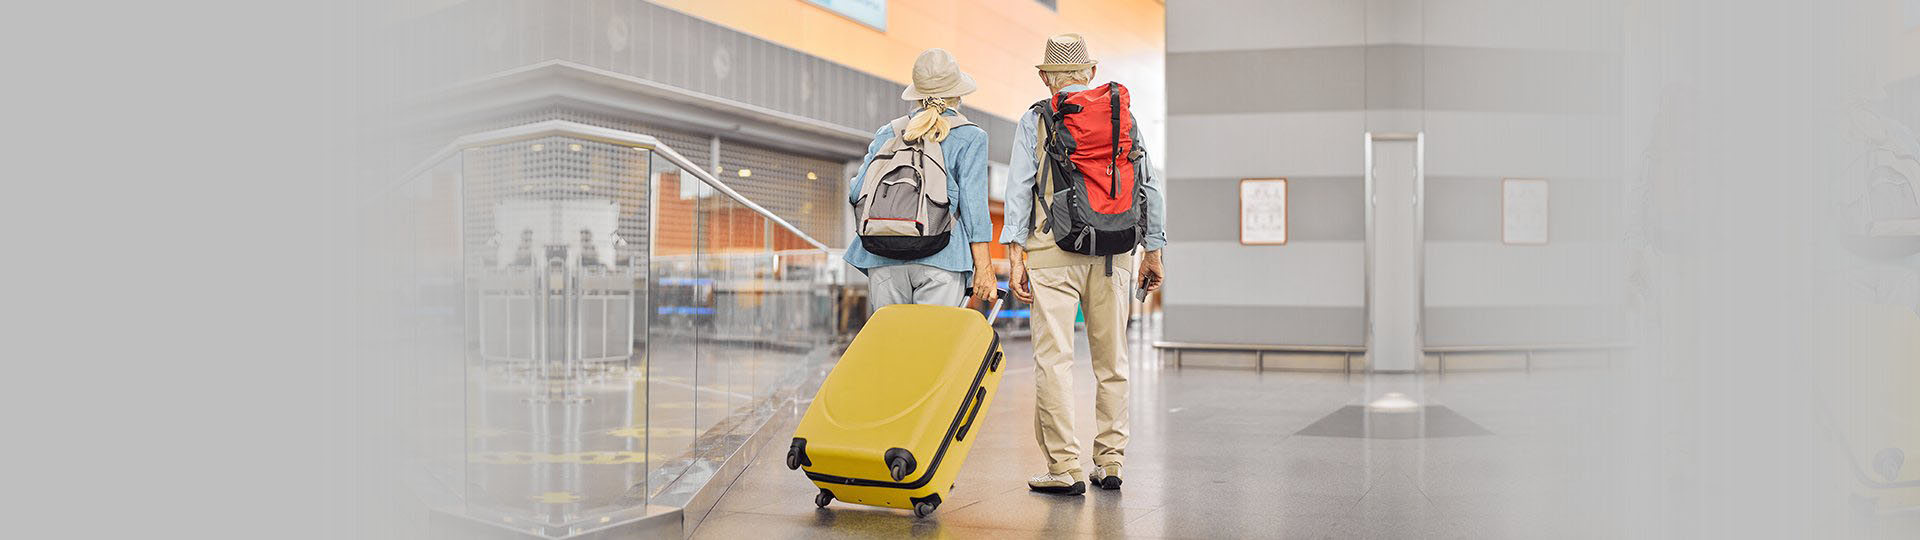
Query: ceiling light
(746, 173)
(574, 147)
(539, 147)
(811, 176)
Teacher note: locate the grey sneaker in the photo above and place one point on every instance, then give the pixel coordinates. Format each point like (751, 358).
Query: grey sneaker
(1057, 484)
(1106, 476)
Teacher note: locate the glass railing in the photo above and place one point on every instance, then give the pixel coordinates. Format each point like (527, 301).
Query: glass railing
(589, 323)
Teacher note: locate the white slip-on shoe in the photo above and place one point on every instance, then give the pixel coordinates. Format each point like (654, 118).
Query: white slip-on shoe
(1057, 484)
(1106, 476)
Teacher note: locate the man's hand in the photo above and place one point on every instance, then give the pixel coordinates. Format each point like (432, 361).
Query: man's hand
(1151, 271)
(1017, 281)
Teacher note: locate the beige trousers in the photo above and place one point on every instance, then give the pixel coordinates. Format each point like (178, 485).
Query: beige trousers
(1057, 291)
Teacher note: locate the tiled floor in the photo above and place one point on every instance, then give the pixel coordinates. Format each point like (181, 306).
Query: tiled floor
(1217, 453)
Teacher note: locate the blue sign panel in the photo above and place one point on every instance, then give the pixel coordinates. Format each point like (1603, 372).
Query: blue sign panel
(869, 12)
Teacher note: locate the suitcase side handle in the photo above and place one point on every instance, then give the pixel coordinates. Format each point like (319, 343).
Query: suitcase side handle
(979, 398)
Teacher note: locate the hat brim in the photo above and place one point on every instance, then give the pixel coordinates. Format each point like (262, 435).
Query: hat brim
(1065, 67)
(963, 87)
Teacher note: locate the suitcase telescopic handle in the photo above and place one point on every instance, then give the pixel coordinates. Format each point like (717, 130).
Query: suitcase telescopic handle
(993, 313)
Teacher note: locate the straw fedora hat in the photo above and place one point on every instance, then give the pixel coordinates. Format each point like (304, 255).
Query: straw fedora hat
(1067, 52)
(937, 74)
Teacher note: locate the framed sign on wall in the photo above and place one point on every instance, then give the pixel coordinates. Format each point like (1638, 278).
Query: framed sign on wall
(868, 12)
(1524, 216)
(1263, 211)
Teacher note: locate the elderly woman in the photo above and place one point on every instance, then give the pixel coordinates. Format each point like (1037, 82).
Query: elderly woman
(955, 206)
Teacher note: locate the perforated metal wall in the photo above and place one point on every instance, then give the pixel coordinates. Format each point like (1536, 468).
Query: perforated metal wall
(776, 180)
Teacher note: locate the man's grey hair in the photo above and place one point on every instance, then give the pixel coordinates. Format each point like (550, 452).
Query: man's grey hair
(1060, 79)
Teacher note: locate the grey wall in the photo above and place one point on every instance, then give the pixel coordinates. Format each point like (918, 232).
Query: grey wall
(1501, 88)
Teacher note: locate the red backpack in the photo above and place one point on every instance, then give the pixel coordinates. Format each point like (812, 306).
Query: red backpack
(1093, 166)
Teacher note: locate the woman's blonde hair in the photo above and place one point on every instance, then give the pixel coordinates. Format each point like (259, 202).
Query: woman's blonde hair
(928, 123)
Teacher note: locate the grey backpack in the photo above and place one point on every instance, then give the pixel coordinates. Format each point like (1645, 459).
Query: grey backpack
(902, 211)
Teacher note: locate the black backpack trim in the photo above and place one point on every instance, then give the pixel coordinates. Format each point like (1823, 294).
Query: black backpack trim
(906, 248)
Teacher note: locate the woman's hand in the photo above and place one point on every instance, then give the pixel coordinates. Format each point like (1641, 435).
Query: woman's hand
(984, 285)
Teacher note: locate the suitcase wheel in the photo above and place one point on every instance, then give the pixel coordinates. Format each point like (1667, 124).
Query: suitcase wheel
(797, 454)
(922, 507)
(823, 498)
(899, 463)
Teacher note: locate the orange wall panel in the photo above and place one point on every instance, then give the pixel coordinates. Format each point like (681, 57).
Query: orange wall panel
(997, 41)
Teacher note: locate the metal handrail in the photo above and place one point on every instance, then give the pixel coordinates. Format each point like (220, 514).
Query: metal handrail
(564, 128)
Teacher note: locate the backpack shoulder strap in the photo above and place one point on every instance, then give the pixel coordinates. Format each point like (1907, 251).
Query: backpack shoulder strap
(899, 126)
(890, 153)
(933, 171)
(1042, 123)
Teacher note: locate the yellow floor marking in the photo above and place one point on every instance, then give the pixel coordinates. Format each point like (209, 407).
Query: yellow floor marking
(609, 457)
(556, 497)
(636, 432)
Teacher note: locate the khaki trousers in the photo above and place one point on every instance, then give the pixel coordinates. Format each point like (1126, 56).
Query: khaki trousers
(1057, 291)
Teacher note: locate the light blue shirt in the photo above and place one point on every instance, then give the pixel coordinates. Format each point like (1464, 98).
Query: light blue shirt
(965, 149)
(1022, 169)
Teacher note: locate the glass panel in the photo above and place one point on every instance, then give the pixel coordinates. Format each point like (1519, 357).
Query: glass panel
(587, 329)
(555, 238)
(676, 293)
(417, 234)
(747, 301)
(740, 262)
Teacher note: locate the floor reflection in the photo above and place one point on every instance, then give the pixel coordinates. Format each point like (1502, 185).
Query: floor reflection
(606, 437)
(1221, 453)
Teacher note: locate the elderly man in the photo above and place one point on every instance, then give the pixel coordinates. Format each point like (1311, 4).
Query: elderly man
(1057, 266)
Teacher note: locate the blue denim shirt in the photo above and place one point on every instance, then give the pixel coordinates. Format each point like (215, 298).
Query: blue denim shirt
(1022, 169)
(965, 149)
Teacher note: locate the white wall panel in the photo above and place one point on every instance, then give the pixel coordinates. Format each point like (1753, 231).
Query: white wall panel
(1210, 25)
(1505, 145)
(1299, 274)
(1485, 274)
(1524, 24)
(1393, 21)
(1265, 144)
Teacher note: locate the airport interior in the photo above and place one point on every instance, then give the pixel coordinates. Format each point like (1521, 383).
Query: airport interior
(1432, 269)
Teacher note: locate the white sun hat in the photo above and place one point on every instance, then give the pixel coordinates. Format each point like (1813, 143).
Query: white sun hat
(937, 74)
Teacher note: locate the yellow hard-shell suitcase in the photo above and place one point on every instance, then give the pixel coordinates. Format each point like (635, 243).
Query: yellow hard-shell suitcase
(893, 421)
